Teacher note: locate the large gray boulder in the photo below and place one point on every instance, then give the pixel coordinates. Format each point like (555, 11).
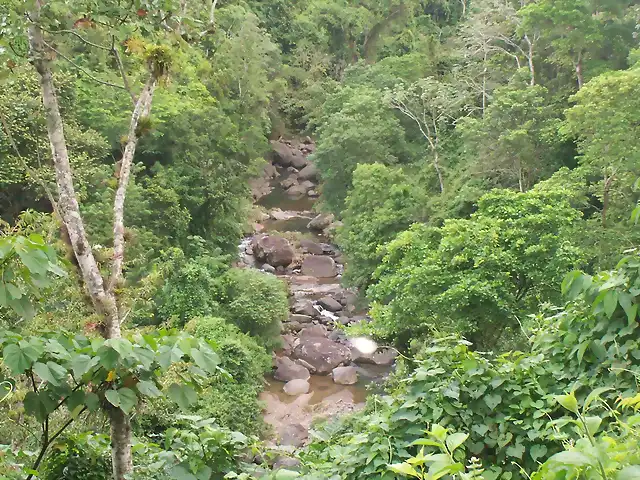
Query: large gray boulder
(322, 353)
(297, 387)
(283, 153)
(345, 375)
(301, 319)
(319, 266)
(312, 247)
(304, 307)
(314, 331)
(330, 304)
(275, 251)
(320, 222)
(294, 434)
(310, 172)
(287, 370)
(297, 190)
(299, 161)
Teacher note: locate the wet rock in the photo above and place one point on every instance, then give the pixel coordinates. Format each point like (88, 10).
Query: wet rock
(306, 365)
(307, 184)
(297, 387)
(307, 140)
(338, 336)
(287, 370)
(296, 190)
(322, 353)
(268, 268)
(314, 331)
(312, 194)
(270, 171)
(345, 375)
(288, 182)
(385, 357)
(292, 169)
(344, 321)
(319, 266)
(311, 247)
(302, 319)
(288, 344)
(275, 251)
(320, 222)
(290, 327)
(294, 434)
(310, 172)
(283, 153)
(304, 307)
(299, 162)
(330, 304)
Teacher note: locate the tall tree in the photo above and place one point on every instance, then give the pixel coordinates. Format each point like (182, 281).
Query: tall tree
(103, 292)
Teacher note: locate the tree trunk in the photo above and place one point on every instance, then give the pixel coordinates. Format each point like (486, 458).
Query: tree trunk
(103, 299)
(532, 68)
(436, 164)
(579, 75)
(142, 109)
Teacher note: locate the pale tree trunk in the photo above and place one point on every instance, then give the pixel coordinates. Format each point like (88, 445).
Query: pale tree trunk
(579, 75)
(212, 13)
(141, 109)
(532, 68)
(103, 299)
(484, 83)
(436, 164)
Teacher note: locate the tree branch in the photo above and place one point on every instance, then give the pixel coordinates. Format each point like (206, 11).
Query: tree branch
(84, 71)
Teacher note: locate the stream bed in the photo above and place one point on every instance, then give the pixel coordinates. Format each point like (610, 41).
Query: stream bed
(293, 242)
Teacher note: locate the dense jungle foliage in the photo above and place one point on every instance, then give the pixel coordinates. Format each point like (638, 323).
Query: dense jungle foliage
(483, 159)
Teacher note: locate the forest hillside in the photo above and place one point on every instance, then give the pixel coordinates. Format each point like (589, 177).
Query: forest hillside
(319, 239)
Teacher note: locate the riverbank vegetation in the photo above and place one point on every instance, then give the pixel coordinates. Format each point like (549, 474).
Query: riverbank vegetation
(481, 156)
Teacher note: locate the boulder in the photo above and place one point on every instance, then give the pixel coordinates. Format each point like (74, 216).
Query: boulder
(319, 266)
(314, 331)
(285, 462)
(283, 153)
(330, 304)
(296, 190)
(298, 387)
(275, 251)
(268, 268)
(331, 230)
(310, 172)
(307, 184)
(307, 140)
(312, 194)
(306, 365)
(301, 319)
(320, 222)
(304, 307)
(290, 327)
(311, 247)
(344, 375)
(322, 353)
(299, 162)
(385, 357)
(287, 370)
(289, 182)
(270, 170)
(294, 434)
(288, 344)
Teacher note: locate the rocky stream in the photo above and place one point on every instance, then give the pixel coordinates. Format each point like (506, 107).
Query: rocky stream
(318, 372)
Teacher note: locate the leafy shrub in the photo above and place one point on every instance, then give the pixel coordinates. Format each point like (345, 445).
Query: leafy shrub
(190, 290)
(379, 206)
(506, 403)
(255, 302)
(240, 355)
(80, 457)
(476, 276)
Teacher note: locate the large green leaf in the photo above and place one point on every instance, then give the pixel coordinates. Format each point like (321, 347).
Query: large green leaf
(51, 372)
(206, 359)
(455, 440)
(18, 358)
(183, 395)
(124, 398)
(405, 469)
(148, 388)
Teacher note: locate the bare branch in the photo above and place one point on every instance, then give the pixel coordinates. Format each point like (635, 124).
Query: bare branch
(84, 71)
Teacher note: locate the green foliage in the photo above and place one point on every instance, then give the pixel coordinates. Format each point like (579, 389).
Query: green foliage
(476, 276)
(79, 457)
(355, 127)
(255, 302)
(380, 205)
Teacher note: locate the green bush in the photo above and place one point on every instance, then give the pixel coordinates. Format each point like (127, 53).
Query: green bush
(240, 355)
(79, 457)
(255, 302)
